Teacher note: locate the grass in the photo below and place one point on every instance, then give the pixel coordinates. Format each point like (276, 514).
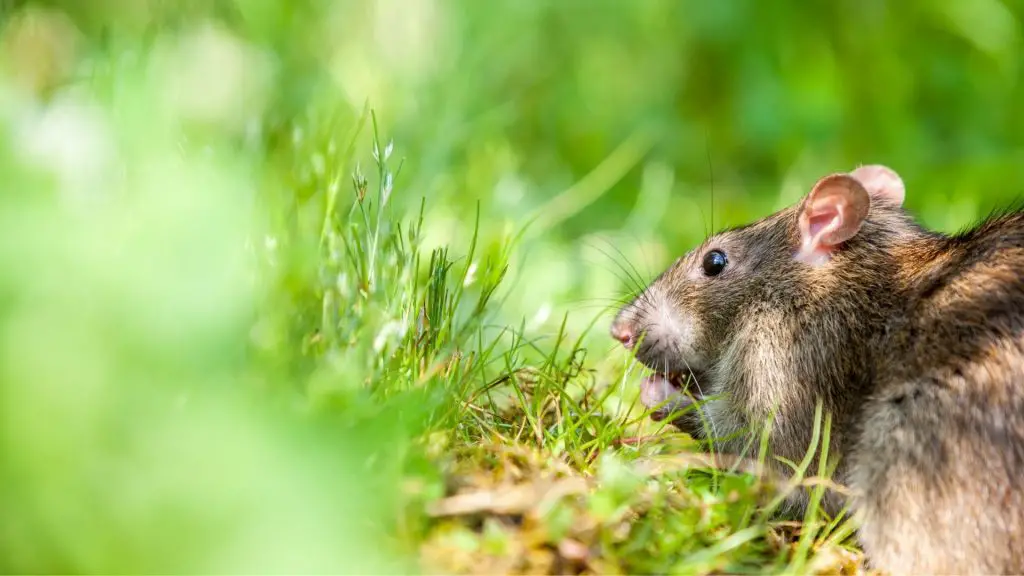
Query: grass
(251, 325)
(542, 460)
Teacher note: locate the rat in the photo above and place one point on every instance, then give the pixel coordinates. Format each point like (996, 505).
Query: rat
(911, 339)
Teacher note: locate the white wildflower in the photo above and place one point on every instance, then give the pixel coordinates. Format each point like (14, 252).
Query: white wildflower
(393, 329)
(470, 275)
(542, 315)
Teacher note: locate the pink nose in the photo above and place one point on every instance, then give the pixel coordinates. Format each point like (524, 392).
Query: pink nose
(624, 334)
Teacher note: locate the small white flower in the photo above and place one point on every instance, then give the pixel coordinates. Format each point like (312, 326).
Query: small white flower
(388, 149)
(470, 275)
(73, 141)
(392, 328)
(542, 315)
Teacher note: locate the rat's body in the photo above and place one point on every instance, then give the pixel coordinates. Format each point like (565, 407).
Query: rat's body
(912, 340)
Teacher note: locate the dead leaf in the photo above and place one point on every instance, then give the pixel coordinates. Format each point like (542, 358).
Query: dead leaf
(516, 499)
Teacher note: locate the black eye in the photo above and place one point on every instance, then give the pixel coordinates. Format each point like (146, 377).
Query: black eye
(714, 263)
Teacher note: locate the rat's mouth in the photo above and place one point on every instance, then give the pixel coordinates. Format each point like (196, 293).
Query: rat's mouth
(668, 392)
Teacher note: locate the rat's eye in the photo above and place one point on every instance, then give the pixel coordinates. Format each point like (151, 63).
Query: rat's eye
(714, 263)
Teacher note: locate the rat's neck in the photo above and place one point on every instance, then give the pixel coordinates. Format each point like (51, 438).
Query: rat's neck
(848, 332)
(881, 292)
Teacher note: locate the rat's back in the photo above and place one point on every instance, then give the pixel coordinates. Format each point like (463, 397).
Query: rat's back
(940, 461)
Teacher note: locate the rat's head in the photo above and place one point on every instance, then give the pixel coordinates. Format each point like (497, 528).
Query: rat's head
(710, 315)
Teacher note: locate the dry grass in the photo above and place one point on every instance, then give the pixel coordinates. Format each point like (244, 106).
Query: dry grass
(575, 493)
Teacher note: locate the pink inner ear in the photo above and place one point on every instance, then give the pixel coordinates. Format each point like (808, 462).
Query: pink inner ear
(817, 223)
(832, 214)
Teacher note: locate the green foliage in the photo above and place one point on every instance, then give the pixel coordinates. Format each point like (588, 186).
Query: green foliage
(249, 325)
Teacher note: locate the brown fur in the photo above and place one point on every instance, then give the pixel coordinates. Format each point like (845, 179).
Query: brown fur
(913, 340)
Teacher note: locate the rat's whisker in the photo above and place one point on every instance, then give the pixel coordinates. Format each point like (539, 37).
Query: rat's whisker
(634, 282)
(636, 275)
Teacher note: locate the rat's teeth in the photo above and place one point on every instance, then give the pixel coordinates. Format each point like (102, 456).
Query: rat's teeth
(655, 390)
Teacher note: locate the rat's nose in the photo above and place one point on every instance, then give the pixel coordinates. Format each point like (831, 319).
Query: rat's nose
(624, 334)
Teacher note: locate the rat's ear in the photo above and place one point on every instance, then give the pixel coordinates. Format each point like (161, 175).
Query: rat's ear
(882, 183)
(831, 214)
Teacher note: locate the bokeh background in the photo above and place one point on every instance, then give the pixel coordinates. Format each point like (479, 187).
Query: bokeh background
(621, 131)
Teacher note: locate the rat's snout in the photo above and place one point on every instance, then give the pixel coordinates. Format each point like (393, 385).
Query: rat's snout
(662, 334)
(623, 331)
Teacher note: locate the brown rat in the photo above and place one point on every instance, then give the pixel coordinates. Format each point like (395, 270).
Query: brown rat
(913, 340)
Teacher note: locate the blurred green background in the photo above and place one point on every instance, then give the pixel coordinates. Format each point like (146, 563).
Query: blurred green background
(151, 147)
